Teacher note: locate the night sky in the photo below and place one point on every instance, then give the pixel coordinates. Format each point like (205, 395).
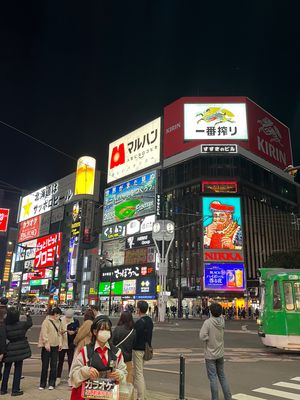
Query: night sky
(79, 75)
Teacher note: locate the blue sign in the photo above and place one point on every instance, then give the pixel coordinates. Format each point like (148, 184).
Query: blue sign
(145, 286)
(130, 199)
(224, 277)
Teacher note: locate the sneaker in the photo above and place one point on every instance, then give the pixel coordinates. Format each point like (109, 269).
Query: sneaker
(51, 387)
(41, 388)
(58, 381)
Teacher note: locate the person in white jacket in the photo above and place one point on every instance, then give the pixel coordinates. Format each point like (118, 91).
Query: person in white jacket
(212, 334)
(99, 359)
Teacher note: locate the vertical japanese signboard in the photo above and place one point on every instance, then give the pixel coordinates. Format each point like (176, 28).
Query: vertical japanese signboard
(47, 251)
(4, 214)
(74, 242)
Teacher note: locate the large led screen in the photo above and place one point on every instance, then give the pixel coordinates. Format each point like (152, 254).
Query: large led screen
(222, 223)
(224, 277)
(130, 199)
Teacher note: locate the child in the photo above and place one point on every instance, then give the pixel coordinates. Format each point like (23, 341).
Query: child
(97, 359)
(212, 334)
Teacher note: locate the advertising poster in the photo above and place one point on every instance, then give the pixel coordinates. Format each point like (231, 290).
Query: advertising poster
(224, 277)
(29, 229)
(222, 223)
(142, 255)
(47, 251)
(130, 199)
(116, 288)
(129, 287)
(138, 150)
(114, 250)
(146, 286)
(139, 241)
(4, 214)
(215, 121)
(74, 242)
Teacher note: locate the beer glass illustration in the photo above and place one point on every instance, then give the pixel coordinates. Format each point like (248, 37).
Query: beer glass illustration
(85, 175)
(239, 278)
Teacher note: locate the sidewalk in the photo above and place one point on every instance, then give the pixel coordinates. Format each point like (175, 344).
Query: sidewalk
(30, 387)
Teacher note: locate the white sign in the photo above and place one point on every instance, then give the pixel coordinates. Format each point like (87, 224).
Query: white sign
(215, 121)
(140, 225)
(47, 198)
(138, 150)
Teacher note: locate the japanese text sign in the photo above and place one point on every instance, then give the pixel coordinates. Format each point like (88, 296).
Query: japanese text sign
(29, 229)
(48, 250)
(224, 277)
(4, 214)
(100, 389)
(138, 150)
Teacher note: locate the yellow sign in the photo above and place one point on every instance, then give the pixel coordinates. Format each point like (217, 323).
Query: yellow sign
(85, 175)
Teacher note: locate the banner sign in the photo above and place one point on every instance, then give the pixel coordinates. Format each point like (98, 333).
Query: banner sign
(130, 199)
(215, 121)
(139, 241)
(146, 286)
(138, 150)
(123, 229)
(100, 389)
(47, 251)
(124, 273)
(29, 229)
(223, 256)
(224, 277)
(225, 148)
(45, 199)
(4, 214)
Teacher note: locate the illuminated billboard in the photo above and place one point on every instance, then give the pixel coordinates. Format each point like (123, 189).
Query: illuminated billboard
(219, 187)
(4, 214)
(222, 223)
(74, 242)
(137, 150)
(114, 250)
(142, 255)
(29, 229)
(85, 175)
(130, 199)
(224, 277)
(214, 121)
(47, 251)
(132, 227)
(116, 288)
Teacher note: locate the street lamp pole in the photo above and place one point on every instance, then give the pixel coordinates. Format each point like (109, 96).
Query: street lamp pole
(110, 284)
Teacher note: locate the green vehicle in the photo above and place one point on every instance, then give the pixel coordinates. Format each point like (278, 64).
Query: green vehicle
(279, 320)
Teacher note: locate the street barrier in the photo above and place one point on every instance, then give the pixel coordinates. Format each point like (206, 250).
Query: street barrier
(182, 378)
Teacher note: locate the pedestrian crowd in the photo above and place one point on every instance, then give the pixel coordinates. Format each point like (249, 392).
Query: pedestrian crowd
(93, 350)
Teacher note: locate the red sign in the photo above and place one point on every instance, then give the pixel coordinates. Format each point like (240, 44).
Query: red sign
(117, 156)
(29, 229)
(267, 137)
(48, 248)
(4, 213)
(38, 274)
(223, 256)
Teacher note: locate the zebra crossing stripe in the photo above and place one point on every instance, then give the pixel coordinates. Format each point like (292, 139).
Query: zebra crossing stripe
(278, 393)
(287, 385)
(297, 378)
(242, 396)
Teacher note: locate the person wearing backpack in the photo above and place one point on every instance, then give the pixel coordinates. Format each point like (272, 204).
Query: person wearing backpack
(50, 341)
(99, 359)
(143, 328)
(123, 337)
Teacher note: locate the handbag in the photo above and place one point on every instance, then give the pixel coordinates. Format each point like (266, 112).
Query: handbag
(148, 354)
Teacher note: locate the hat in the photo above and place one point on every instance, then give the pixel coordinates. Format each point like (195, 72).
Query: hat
(217, 206)
(69, 313)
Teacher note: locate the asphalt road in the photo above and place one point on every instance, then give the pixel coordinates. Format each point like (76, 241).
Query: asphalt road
(249, 365)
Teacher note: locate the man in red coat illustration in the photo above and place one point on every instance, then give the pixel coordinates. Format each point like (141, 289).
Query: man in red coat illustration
(224, 232)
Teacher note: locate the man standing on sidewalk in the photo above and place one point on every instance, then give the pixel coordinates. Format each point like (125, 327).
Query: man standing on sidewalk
(143, 329)
(212, 334)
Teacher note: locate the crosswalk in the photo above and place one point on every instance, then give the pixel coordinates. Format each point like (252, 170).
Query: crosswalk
(275, 392)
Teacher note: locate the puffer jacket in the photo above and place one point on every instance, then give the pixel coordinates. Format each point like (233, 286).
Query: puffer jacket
(18, 348)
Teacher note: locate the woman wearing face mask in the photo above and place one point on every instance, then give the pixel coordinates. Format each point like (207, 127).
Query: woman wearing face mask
(99, 359)
(50, 341)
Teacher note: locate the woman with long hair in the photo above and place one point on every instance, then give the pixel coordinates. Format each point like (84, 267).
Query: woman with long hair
(99, 359)
(123, 337)
(84, 334)
(17, 349)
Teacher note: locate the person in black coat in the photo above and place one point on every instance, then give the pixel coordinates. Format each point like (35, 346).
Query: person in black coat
(3, 312)
(17, 349)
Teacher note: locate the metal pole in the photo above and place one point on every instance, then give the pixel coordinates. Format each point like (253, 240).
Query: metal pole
(21, 277)
(109, 300)
(182, 378)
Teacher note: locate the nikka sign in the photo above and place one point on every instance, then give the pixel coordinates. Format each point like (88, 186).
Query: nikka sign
(223, 256)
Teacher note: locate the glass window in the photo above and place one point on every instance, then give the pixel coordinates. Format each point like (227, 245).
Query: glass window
(276, 296)
(297, 294)
(288, 296)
